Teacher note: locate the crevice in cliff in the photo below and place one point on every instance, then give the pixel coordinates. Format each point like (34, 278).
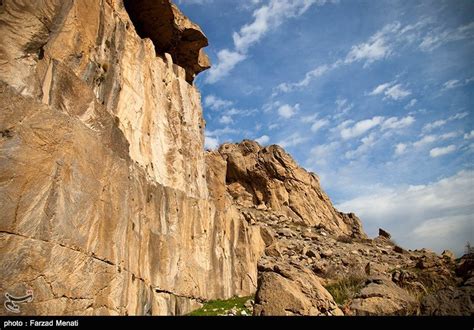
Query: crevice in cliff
(108, 262)
(198, 299)
(171, 32)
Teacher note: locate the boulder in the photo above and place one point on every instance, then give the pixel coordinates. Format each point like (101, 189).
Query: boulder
(289, 291)
(382, 297)
(449, 301)
(384, 233)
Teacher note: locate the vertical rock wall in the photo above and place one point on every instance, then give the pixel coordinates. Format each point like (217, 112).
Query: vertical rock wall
(105, 206)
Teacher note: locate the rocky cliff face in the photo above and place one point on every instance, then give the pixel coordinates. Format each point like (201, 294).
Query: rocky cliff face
(105, 205)
(111, 206)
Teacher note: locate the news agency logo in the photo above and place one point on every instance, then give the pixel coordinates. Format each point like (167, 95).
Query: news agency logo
(12, 302)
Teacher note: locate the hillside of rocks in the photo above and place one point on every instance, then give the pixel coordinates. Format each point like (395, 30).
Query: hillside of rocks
(318, 261)
(111, 206)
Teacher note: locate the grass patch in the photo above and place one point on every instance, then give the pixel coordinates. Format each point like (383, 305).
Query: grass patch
(217, 307)
(346, 288)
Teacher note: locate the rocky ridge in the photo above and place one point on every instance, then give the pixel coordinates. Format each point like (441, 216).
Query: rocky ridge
(110, 206)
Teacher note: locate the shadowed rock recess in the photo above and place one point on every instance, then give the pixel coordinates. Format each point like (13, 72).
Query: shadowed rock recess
(110, 206)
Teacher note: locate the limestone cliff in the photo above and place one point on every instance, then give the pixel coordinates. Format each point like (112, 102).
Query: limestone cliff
(105, 206)
(111, 206)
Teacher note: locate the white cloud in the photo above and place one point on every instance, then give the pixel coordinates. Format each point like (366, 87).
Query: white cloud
(321, 154)
(469, 135)
(226, 61)
(292, 140)
(318, 124)
(211, 143)
(441, 122)
(431, 126)
(380, 89)
(391, 90)
(309, 77)
(226, 120)
(409, 211)
(360, 127)
(309, 119)
(395, 123)
(459, 116)
(441, 151)
(427, 139)
(263, 140)
(400, 149)
(367, 143)
(215, 103)
(451, 84)
(438, 38)
(287, 111)
(383, 44)
(343, 107)
(450, 135)
(397, 92)
(222, 131)
(412, 103)
(371, 51)
(265, 19)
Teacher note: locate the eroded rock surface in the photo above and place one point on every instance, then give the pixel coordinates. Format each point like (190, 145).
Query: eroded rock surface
(110, 206)
(103, 185)
(270, 179)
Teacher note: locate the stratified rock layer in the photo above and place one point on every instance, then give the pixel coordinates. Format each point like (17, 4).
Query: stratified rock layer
(103, 192)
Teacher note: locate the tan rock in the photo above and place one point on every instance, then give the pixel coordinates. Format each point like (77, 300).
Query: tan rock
(449, 301)
(292, 292)
(104, 198)
(171, 32)
(272, 178)
(382, 297)
(273, 251)
(447, 254)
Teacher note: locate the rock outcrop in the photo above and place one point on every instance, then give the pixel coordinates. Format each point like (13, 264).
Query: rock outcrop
(103, 191)
(270, 179)
(111, 206)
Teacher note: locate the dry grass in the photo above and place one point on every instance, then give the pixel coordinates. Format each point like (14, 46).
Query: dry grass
(347, 288)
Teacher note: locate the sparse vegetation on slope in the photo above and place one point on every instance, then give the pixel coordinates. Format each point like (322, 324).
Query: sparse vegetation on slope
(238, 306)
(345, 289)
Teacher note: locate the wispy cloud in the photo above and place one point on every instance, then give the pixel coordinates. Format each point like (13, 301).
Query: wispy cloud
(378, 47)
(226, 120)
(265, 19)
(439, 37)
(287, 111)
(321, 154)
(215, 103)
(394, 123)
(413, 209)
(293, 140)
(318, 124)
(210, 142)
(441, 151)
(455, 83)
(441, 122)
(469, 136)
(263, 140)
(391, 90)
(384, 44)
(400, 149)
(360, 127)
(366, 144)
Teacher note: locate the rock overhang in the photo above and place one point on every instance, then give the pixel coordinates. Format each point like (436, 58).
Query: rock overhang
(171, 32)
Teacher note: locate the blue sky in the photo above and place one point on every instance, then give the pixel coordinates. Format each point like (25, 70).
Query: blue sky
(376, 97)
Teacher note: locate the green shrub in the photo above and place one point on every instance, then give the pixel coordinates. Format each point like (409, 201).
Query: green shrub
(218, 307)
